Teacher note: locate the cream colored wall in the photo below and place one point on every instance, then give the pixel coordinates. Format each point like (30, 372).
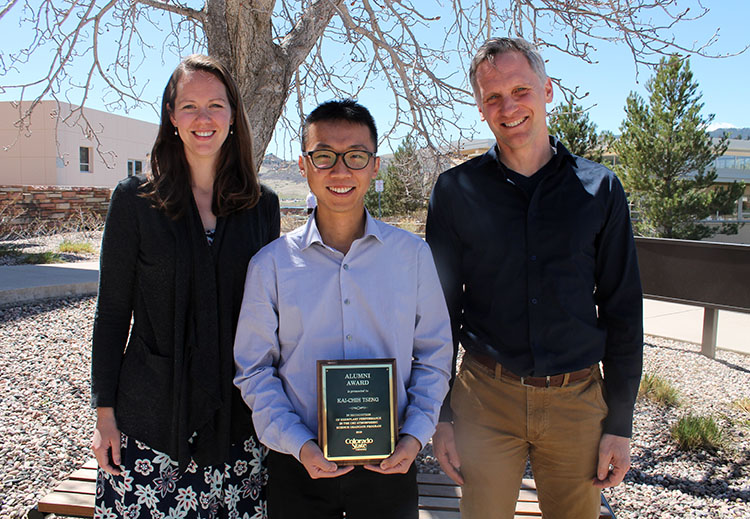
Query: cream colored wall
(28, 158)
(34, 160)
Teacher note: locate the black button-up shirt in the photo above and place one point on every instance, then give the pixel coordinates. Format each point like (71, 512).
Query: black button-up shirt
(543, 278)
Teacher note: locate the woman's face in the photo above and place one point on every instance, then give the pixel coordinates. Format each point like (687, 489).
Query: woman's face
(202, 115)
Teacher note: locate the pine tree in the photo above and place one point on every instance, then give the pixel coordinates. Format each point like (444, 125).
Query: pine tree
(570, 123)
(666, 158)
(390, 203)
(404, 189)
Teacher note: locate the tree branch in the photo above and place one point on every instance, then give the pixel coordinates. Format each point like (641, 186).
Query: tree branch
(187, 12)
(7, 8)
(306, 32)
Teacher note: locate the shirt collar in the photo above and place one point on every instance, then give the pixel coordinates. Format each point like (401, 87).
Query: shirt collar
(311, 234)
(559, 156)
(560, 150)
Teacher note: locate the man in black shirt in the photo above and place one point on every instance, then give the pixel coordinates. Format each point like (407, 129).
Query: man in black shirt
(535, 253)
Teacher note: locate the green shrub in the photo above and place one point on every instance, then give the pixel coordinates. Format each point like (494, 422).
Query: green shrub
(76, 247)
(8, 251)
(658, 390)
(695, 432)
(40, 258)
(34, 258)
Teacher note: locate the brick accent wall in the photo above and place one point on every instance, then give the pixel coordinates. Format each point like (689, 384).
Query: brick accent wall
(54, 205)
(294, 211)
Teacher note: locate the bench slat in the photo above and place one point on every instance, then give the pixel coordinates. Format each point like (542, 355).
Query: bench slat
(439, 490)
(438, 503)
(67, 503)
(84, 475)
(77, 487)
(434, 479)
(528, 496)
(90, 464)
(438, 514)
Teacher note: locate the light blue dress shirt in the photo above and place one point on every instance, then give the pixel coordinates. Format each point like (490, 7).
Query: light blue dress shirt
(305, 301)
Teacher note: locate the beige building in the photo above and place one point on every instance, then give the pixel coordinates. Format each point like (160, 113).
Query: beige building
(57, 152)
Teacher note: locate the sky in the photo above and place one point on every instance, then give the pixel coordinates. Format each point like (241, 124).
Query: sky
(723, 82)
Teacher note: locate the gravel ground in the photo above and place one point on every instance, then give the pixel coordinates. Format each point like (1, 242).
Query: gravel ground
(46, 422)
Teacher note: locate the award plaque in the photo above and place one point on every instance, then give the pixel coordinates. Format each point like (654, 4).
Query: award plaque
(357, 413)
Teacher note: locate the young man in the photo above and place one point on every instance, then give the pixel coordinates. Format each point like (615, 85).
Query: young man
(536, 256)
(343, 286)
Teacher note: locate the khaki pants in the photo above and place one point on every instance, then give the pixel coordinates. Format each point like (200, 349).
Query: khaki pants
(499, 423)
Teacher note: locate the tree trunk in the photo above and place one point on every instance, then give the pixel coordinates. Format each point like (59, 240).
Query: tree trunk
(239, 32)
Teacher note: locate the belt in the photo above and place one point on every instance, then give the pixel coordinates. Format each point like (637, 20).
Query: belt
(560, 380)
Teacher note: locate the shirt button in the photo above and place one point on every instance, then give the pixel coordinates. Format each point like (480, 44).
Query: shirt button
(533, 301)
(349, 337)
(346, 301)
(346, 266)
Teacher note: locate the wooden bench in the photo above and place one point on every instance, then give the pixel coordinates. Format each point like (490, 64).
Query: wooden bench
(438, 497)
(73, 497)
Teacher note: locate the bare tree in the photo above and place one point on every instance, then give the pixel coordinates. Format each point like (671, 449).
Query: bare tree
(282, 48)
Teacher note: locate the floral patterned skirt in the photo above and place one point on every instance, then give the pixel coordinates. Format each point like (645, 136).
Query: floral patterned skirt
(151, 486)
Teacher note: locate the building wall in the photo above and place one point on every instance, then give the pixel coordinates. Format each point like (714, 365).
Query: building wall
(49, 154)
(29, 157)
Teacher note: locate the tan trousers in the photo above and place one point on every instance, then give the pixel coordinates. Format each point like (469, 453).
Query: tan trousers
(499, 423)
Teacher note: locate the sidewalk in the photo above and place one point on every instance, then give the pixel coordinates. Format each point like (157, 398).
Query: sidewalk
(685, 323)
(24, 283)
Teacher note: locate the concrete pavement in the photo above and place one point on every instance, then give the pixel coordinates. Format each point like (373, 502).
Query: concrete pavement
(24, 283)
(685, 323)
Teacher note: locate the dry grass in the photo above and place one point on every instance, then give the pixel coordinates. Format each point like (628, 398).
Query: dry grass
(76, 247)
(743, 404)
(658, 390)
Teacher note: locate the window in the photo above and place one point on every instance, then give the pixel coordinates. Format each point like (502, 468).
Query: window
(135, 167)
(732, 162)
(85, 159)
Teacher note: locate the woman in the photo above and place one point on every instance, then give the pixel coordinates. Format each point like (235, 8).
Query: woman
(173, 436)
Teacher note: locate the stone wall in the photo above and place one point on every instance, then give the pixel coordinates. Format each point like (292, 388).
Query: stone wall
(52, 206)
(294, 211)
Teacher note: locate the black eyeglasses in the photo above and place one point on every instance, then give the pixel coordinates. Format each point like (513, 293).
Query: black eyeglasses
(326, 159)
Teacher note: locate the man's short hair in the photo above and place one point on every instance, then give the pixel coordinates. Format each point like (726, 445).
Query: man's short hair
(341, 110)
(495, 46)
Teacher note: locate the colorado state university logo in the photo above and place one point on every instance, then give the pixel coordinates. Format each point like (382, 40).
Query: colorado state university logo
(359, 444)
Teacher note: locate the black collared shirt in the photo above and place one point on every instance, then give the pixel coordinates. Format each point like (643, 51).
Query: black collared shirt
(544, 280)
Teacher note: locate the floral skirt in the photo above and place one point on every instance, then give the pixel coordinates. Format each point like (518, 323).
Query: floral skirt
(151, 486)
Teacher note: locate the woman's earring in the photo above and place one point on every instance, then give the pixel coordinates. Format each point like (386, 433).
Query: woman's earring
(175, 132)
(231, 130)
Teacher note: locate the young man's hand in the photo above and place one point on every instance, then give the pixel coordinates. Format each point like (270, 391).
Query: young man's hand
(317, 465)
(403, 456)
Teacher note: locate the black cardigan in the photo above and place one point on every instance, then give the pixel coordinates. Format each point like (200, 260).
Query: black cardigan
(175, 376)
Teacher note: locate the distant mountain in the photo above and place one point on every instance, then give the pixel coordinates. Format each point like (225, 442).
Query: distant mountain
(283, 177)
(732, 133)
(274, 168)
